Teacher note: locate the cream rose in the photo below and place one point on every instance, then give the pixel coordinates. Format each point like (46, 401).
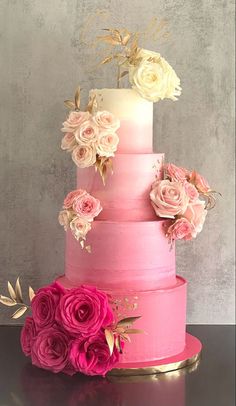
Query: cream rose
(64, 218)
(181, 229)
(68, 142)
(169, 198)
(153, 78)
(84, 155)
(87, 132)
(106, 120)
(107, 143)
(196, 215)
(75, 119)
(80, 227)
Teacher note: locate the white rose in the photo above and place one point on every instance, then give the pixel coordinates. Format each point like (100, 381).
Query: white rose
(68, 142)
(106, 120)
(84, 155)
(64, 218)
(80, 227)
(107, 143)
(87, 132)
(154, 78)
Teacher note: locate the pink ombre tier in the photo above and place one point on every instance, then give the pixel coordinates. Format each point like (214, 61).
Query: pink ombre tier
(125, 196)
(135, 137)
(125, 255)
(163, 319)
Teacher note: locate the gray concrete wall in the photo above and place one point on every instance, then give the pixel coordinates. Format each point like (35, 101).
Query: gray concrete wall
(41, 63)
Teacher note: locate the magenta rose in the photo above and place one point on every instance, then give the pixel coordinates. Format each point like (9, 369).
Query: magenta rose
(200, 182)
(28, 333)
(180, 229)
(70, 198)
(91, 355)
(84, 311)
(196, 215)
(44, 305)
(175, 173)
(168, 198)
(87, 207)
(50, 351)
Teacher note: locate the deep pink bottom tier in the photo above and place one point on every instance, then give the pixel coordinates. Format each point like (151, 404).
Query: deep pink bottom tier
(163, 319)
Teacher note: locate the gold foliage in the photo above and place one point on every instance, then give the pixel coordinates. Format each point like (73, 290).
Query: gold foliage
(104, 165)
(16, 299)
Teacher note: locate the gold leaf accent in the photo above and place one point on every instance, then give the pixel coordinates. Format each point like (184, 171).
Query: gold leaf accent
(88, 249)
(134, 331)
(127, 321)
(7, 301)
(82, 244)
(77, 98)
(106, 60)
(118, 344)
(92, 104)
(108, 39)
(110, 340)
(19, 312)
(31, 293)
(104, 164)
(126, 38)
(70, 104)
(124, 73)
(11, 290)
(18, 291)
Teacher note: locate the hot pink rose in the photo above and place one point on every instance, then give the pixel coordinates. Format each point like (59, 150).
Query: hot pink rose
(87, 207)
(84, 155)
(50, 351)
(87, 133)
(70, 198)
(106, 120)
(84, 311)
(196, 214)
(75, 119)
(68, 142)
(107, 143)
(180, 229)
(80, 227)
(191, 191)
(44, 305)
(168, 198)
(200, 182)
(91, 355)
(175, 173)
(28, 333)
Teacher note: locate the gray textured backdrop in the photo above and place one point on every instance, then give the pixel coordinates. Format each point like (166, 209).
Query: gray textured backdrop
(42, 61)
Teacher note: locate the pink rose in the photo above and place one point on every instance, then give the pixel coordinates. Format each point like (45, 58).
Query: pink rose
(28, 334)
(70, 198)
(68, 142)
(84, 155)
(80, 227)
(87, 133)
(106, 120)
(75, 119)
(91, 355)
(87, 207)
(50, 351)
(191, 191)
(84, 311)
(196, 215)
(175, 173)
(200, 182)
(44, 305)
(180, 229)
(107, 143)
(64, 218)
(168, 198)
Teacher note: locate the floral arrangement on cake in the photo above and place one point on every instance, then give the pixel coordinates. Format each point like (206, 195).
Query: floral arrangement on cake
(90, 135)
(149, 73)
(79, 211)
(185, 197)
(70, 330)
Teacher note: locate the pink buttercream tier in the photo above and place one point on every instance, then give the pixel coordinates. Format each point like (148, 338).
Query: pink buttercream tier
(125, 197)
(125, 255)
(163, 318)
(135, 136)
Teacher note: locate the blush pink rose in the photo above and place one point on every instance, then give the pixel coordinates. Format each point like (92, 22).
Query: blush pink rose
(200, 182)
(84, 311)
(80, 227)
(106, 120)
(28, 333)
(84, 155)
(107, 143)
(68, 142)
(70, 198)
(168, 198)
(87, 207)
(180, 229)
(91, 355)
(44, 305)
(87, 133)
(175, 173)
(50, 351)
(191, 191)
(196, 215)
(75, 119)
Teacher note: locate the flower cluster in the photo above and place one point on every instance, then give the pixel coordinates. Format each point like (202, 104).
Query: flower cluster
(90, 136)
(183, 196)
(66, 332)
(79, 210)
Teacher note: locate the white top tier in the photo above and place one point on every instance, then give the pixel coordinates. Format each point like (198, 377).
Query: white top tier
(135, 114)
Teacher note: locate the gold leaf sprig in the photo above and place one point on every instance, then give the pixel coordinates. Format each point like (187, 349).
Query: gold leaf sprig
(16, 299)
(74, 105)
(121, 331)
(104, 165)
